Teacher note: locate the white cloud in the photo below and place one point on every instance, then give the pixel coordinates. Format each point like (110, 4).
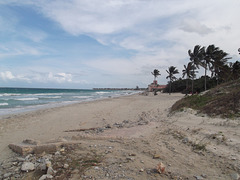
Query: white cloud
(59, 77)
(7, 75)
(38, 77)
(191, 25)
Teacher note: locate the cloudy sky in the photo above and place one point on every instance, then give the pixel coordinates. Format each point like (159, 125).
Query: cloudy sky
(108, 43)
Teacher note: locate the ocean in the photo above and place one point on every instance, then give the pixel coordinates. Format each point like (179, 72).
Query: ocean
(17, 100)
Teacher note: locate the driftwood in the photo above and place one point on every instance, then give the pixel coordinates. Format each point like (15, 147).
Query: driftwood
(79, 130)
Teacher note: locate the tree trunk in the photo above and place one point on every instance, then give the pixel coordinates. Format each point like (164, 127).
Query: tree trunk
(170, 84)
(205, 78)
(192, 84)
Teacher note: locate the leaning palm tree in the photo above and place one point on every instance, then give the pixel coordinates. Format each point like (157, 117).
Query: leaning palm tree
(236, 70)
(171, 71)
(156, 73)
(196, 57)
(187, 72)
(219, 61)
(210, 53)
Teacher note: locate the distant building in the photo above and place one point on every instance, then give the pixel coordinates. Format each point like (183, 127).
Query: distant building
(155, 86)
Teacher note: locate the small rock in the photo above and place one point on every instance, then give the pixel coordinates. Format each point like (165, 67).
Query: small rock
(132, 154)
(65, 166)
(57, 153)
(50, 171)
(17, 176)
(7, 175)
(129, 159)
(48, 163)
(27, 166)
(235, 176)
(108, 126)
(185, 140)
(141, 170)
(198, 177)
(14, 163)
(20, 159)
(46, 176)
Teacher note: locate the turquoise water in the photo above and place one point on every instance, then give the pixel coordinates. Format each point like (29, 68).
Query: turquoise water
(15, 100)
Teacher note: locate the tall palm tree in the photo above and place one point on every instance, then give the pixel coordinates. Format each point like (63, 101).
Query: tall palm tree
(196, 57)
(219, 61)
(210, 53)
(171, 71)
(155, 73)
(187, 72)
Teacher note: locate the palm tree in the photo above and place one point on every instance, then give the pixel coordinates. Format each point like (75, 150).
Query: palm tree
(236, 70)
(156, 73)
(219, 61)
(187, 72)
(210, 53)
(171, 71)
(196, 57)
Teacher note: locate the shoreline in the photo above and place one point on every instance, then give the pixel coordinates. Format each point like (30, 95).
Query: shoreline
(29, 109)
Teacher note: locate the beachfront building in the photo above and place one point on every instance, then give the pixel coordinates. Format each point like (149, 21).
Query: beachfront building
(155, 86)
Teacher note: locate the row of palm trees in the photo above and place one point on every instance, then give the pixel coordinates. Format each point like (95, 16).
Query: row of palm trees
(171, 75)
(211, 59)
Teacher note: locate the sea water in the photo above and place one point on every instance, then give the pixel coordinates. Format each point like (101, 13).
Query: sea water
(15, 100)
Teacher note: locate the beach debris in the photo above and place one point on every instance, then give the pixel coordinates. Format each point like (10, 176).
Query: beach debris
(28, 147)
(156, 156)
(79, 130)
(161, 168)
(21, 149)
(27, 166)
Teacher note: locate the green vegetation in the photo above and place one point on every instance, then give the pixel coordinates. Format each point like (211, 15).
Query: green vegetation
(223, 100)
(212, 59)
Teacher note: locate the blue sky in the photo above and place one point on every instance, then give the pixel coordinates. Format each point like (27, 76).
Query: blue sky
(108, 43)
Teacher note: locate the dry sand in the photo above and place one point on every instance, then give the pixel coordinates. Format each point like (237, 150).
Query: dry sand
(137, 133)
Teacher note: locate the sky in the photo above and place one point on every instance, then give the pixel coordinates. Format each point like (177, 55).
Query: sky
(108, 43)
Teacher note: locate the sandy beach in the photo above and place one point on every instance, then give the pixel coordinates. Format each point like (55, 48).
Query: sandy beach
(135, 134)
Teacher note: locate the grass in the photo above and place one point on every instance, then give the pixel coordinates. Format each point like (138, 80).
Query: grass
(223, 101)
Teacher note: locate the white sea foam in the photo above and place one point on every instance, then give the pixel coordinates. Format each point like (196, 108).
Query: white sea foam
(3, 104)
(82, 97)
(48, 94)
(52, 97)
(9, 94)
(102, 92)
(27, 99)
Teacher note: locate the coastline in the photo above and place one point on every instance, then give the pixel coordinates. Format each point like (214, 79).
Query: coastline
(138, 126)
(79, 99)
